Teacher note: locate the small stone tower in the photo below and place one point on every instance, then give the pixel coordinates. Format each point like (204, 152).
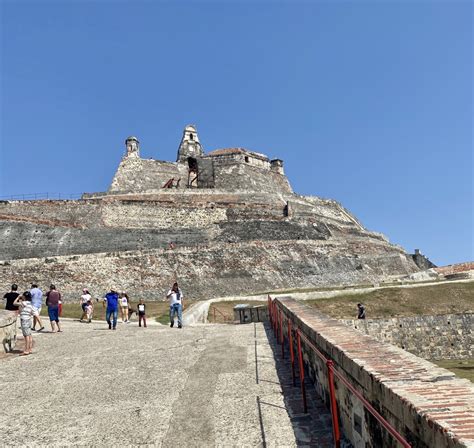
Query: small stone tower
(277, 166)
(190, 145)
(132, 147)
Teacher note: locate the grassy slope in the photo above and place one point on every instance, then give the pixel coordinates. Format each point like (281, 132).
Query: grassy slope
(391, 302)
(463, 368)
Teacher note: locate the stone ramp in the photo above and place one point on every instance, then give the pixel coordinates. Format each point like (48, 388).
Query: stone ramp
(207, 385)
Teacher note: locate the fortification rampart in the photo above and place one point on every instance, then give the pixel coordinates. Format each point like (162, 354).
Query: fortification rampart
(230, 169)
(33, 229)
(428, 405)
(210, 270)
(236, 204)
(449, 336)
(243, 177)
(136, 175)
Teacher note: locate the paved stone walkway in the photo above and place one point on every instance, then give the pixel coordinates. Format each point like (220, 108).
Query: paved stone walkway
(206, 385)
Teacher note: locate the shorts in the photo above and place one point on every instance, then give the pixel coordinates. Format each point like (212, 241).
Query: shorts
(83, 305)
(26, 327)
(53, 313)
(38, 308)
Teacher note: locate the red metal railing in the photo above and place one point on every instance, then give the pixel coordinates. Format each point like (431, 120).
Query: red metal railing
(214, 310)
(276, 319)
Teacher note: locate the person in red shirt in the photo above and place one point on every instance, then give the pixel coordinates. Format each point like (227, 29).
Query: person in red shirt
(53, 298)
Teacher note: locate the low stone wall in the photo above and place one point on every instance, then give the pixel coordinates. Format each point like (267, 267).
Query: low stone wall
(428, 405)
(246, 314)
(431, 337)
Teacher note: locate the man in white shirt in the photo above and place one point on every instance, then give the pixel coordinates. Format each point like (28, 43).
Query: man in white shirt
(37, 302)
(175, 296)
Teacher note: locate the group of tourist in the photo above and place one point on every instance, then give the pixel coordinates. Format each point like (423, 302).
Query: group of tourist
(29, 304)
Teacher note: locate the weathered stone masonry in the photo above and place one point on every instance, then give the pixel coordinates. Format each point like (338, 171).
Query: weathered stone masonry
(449, 336)
(234, 221)
(428, 405)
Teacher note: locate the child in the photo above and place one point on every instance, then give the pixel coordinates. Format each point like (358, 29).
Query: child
(89, 308)
(124, 306)
(27, 312)
(141, 313)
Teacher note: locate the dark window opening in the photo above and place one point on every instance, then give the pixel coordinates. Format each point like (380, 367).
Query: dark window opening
(191, 136)
(192, 172)
(246, 159)
(192, 164)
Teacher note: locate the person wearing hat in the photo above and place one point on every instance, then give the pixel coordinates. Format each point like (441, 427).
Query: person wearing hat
(27, 312)
(112, 299)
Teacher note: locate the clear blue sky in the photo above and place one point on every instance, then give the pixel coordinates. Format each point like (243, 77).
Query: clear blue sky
(368, 103)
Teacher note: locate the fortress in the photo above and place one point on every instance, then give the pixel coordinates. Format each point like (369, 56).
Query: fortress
(226, 222)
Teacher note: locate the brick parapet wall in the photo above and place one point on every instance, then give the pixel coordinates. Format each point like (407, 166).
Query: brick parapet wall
(428, 405)
(447, 336)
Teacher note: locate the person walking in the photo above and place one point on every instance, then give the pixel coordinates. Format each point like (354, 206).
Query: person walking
(89, 311)
(27, 312)
(10, 298)
(112, 299)
(124, 306)
(175, 296)
(53, 298)
(37, 302)
(84, 299)
(360, 311)
(141, 310)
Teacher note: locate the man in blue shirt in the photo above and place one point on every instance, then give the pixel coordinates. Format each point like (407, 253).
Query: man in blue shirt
(112, 308)
(37, 302)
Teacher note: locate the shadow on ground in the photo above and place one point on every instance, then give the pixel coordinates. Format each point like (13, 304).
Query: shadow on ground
(311, 429)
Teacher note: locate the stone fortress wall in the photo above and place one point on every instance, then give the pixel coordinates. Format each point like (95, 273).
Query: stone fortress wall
(429, 406)
(248, 232)
(447, 336)
(229, 255)
(229, 169)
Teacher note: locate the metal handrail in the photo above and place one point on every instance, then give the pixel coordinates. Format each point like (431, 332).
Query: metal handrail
(41, 196)
(220, 312)
(276, 319)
